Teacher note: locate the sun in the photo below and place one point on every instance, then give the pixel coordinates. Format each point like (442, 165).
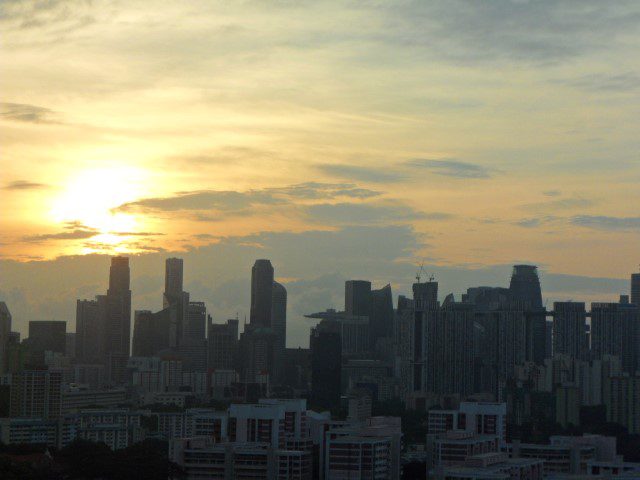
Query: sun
(89, 199)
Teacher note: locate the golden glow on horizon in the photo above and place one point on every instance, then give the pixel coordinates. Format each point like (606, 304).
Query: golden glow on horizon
(88, 201)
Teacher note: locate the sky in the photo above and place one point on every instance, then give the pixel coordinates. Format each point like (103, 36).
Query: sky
(352, 139)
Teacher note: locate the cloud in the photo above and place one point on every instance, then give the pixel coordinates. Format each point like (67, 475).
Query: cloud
(20, 112)
(603, 222)
(552, 193)
(76, 234)
(560, 204)
(24, 185)
(627, 82)
(451, 168)
(528, 222)
(239, 203)
(363, 174)
(368, 213)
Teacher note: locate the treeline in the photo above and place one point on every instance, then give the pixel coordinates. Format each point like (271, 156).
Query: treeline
(84, 460)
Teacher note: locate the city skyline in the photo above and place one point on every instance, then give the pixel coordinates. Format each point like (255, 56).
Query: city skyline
(482, 132)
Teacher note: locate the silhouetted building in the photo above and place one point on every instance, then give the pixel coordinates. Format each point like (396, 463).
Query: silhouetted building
(151, 332)
(175, 298)
(46, 335)
(118, 319)
(70, 345)
(90, 329)
(261, 293)
(615, 330)
(381, 319)
(357, 298)
(279, 326)
(223, 345)
(173, 279)
(257, 354)
(525, 291)
(195, 327)
(570, 329)
(326, 364)
(635, 289)
(36, 394)
(5, 336)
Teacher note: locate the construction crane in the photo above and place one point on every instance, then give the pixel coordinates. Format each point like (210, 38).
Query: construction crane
(420, 272)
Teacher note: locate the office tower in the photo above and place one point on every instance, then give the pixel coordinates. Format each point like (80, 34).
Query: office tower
(279, 325)
(615, 330)
(261, 293)
(176, 299)
(525, 292)
(36, 394)
(118, 319)
(357, 298)
(70, 345)
(525, 286)
(46, 335)
(570, 329)
(5, 335)
(257, 354)
(223, 345)
(195, 326)
(326, 362)
(173, 278)
(90, 329)
(381, 320)
(635, 289)
(548, 339)
(151, 332)
(425, 294)
(450, 349)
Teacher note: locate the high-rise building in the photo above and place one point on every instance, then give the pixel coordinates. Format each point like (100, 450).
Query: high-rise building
(570, 329)
(326, 364)
(635, 289)
(195, 327)
(176, 299)
(615, 330)
(261, 293)
(90, 329)
(381, 320)
(621, 396)
(257, 354)
(279, 326)
(46, 335)
(357, 298)
(118, 319)
(5, 334)
(525, 286)
(151, 331)
(36, 394)
(173, 277)
(223, 345)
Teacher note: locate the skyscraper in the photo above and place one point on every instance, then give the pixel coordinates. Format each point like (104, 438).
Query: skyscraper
(279, 325)
(357, 298)
(90, 329)
(5, 332)
(525, 286)
(570, 329)
(118, 319)
(46, 335)
(381, 320)
(173, 277)
(326, 364)
(175, 299)
(223, 345)
(261, 293)
(635, 289)
(615, 330)
(525, 293)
